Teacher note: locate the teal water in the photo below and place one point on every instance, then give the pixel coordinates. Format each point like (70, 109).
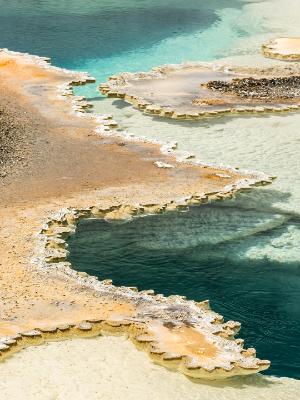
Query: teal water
(202, 254)
(109, 36)
(244, 258)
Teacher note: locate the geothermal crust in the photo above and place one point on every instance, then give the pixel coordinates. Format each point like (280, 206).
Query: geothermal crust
(286, 49)
(188, 91)
(78, 168)
(266, 89)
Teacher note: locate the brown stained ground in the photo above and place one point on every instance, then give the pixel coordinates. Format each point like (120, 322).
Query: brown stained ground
(65, 164)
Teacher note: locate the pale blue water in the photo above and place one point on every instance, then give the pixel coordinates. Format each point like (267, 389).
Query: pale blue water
(105, 37)
(207, 253)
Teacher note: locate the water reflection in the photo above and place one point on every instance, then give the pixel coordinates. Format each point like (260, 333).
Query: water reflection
(209, 252)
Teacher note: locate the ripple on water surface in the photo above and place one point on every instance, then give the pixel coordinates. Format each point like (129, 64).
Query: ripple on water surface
(242, 255)
(204, 254)
(90, 35)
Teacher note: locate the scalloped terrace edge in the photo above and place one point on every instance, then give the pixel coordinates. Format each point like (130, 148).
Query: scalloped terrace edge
(116, 85)
(50, 254)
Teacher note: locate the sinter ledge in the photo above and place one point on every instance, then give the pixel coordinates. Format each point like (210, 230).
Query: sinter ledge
(185, 91)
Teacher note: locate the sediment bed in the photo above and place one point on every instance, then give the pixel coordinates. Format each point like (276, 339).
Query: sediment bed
(266, 89)
(185, 91)
(78, 168)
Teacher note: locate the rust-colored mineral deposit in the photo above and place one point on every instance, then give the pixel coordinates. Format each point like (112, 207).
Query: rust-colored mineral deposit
(73, 170)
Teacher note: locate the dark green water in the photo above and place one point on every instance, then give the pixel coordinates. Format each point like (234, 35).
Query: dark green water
(203, 254)
(108, 36)
(244, 258)
(72, 33)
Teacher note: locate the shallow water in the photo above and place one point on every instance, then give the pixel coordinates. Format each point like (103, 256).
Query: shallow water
(243, 256)
(202, 254)
(54, 369)
(105, 37)
(268, 143)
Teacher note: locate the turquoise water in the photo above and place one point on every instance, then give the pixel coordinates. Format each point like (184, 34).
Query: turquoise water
(244, 258)
(105, 37)
(202, 254)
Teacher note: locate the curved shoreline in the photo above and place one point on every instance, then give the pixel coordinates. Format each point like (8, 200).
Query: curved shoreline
(111, 367)
(283, 48)
(49, 298)
(186, 100)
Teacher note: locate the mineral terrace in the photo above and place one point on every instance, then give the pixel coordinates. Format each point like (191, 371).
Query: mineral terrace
(62, 164)
(199, 90)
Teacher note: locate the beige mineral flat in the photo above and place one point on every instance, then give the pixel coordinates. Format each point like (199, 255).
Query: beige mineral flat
(286, 48)
(192, 91)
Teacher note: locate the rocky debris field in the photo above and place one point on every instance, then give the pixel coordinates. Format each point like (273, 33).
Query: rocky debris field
(16, 138)
(267, 89)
